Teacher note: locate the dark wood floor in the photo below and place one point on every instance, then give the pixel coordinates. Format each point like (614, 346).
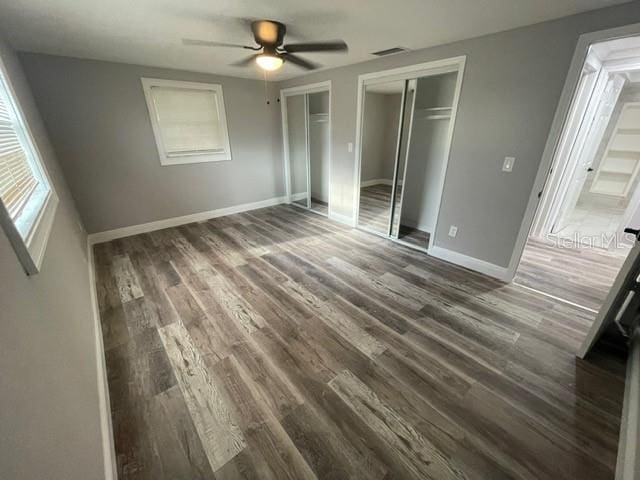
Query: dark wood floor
(581, 275)
(375, 208)
(319, 206)
(413, 236)
(276, 344)
(374, 211)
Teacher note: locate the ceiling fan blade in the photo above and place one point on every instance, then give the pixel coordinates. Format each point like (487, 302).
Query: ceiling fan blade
(268, 32)
(208, 43)
(332, 46)
(301, 62)
(245, 61)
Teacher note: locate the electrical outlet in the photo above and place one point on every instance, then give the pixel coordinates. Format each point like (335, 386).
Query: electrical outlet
(350, 147)
(507, 166)
(453, 231)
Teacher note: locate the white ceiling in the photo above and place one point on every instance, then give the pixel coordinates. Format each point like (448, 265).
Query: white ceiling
(149, 32)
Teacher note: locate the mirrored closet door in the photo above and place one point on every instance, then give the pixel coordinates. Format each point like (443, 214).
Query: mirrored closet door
(298, 149)
(308, 160)
(381, 132)
(406, 131)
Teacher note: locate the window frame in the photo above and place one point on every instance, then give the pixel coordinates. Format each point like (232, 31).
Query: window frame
(192, 157)
(29, 249)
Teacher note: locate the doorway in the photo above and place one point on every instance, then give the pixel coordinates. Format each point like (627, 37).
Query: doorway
(577, 243)
(306, 130)
(405, 125)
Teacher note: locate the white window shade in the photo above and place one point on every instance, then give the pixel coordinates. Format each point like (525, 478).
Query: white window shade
(17, 179)
(188, 121)
(27, 201)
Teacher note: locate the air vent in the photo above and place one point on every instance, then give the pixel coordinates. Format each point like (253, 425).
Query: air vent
(389, 51)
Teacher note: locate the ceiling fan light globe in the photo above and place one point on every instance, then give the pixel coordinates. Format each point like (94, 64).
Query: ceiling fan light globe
(269, 62)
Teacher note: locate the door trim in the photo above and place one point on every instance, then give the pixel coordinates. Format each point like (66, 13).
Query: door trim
(541, 182)
(437, 67)
(305, 90)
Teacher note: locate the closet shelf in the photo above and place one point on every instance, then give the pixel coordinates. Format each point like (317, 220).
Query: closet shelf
(435, 117)
(433, 109)
(617, 170)
(433, 113)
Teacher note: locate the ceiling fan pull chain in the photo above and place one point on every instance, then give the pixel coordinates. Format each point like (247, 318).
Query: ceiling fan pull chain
(266, 92)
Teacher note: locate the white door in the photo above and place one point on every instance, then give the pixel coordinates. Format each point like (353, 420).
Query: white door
(621, 300)
(597, 112)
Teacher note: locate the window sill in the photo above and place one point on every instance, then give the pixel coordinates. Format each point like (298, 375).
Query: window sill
(30, 251)
(39, 235)
(186, 159)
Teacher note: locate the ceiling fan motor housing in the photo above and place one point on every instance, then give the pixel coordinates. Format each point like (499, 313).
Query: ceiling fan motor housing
(268, 33)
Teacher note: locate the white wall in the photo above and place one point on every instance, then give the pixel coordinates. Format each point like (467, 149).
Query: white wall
(49, 405)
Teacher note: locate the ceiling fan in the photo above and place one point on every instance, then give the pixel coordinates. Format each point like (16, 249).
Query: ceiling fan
(273, 52)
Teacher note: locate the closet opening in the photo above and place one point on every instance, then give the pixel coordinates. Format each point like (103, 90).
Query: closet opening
(306, 130)
(406, 119)
(577, 243)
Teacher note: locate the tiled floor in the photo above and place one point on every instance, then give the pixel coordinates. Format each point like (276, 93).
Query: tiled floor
(597, 228)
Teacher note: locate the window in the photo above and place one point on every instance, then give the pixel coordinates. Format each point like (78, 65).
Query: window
(28, 202)
(188, 120)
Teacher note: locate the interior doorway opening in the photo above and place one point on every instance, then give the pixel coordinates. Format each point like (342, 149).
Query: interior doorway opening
(578, 243)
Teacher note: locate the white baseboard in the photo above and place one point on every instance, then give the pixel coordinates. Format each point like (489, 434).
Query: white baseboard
(338, 217)
(376, 181)
(108, 235)
(491, 269)
(418, 226)
(106, 426)
(298, 196)
(627, 467)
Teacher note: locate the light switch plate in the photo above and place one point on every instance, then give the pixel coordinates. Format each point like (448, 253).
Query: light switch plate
(350, 147)
(507, 166)
(453, 231)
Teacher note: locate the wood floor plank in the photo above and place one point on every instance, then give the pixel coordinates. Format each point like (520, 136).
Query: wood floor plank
(263, 433)
(218, 431)
(337, 320)
(277, 344)
(325, 449)
(416, 453)
(126, 279)
(561, 271)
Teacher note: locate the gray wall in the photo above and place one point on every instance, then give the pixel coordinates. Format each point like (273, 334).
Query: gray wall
(99, 125)
(380, 133)
(49, 410)
(297, 136)
(319, 147)
(510, 91)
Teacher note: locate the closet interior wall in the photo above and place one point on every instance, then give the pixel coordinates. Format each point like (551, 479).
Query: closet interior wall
(297, 146)
(319, 153)
(307, 127)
